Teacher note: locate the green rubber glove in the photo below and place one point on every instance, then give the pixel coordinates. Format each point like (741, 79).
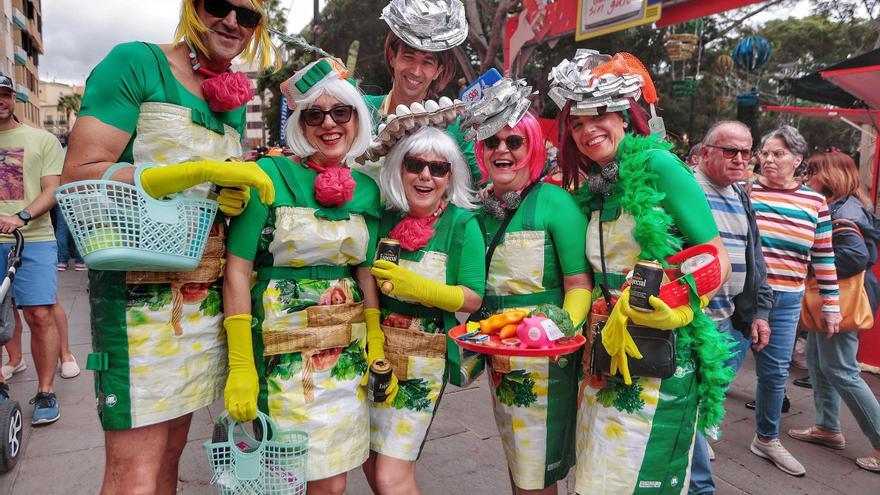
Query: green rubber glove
(577, 304)
(618, 342)
(410, 285)
(376, 350)
(662, 318)
(233, 200)
(162, 181)
(240, 394)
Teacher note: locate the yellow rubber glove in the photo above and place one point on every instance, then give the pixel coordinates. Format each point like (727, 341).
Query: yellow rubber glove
(240, 394)
(233, 200)
(662, 318)
(162, 181)
(618, 342)
(376, 350)
(410, 285)
(577, 304)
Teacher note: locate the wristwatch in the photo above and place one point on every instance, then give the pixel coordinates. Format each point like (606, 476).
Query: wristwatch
(25, 216)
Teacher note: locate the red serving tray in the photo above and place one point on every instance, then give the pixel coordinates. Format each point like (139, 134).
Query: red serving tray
(565, 345)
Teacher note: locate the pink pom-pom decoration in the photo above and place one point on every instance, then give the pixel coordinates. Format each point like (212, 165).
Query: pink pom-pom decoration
(227, 91)
(334, 187)
(414, 233)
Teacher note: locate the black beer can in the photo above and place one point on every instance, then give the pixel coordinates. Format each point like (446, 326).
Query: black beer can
(388, 250)
(646, 280)
(379, 381)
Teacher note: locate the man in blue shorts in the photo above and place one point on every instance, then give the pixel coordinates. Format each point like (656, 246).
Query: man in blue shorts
(30, 170)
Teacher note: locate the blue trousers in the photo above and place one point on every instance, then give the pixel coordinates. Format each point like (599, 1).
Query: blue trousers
(64, 240)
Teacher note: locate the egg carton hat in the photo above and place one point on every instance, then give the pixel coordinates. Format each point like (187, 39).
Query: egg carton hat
(596, 83)
(408, 120)
(504, 103)
(302, 81)
(427, 25)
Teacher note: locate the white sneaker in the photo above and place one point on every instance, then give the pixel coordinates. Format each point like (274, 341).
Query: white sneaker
(9, 371)
(69, 369)
(778, 455)
(711, 451)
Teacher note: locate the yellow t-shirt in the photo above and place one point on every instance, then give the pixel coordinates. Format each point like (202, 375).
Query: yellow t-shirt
(26, 155)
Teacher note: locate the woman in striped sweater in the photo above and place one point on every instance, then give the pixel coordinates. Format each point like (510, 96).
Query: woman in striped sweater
(795, 228)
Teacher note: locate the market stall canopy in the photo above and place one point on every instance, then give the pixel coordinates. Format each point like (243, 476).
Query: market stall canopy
(815, 87)
(857, 116)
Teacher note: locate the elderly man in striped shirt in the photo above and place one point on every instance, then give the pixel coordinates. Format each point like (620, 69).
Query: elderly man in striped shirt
(742, 305)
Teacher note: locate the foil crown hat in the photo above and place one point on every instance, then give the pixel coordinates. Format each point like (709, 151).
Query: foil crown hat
(598, 83)
(503, 103)
(428, 25)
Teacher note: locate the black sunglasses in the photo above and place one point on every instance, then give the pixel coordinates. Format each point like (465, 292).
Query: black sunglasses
(513, 142)
(437, 169)
(730, 153)
(244, 16)
(314, 117)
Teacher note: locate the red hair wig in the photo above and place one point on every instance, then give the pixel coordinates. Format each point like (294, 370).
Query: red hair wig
(536, 156)
(572, 161)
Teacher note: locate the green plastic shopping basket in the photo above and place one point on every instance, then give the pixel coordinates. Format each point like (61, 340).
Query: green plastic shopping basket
(118, 226)
(242, 465)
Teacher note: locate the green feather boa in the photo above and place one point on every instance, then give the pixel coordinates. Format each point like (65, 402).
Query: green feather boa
(653, 233)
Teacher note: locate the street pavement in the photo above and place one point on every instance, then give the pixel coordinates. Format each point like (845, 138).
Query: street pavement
(463, 453)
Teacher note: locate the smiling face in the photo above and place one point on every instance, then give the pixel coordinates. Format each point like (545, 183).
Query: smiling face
(423, 191)
(778, 163)
(331, 141)
(7, 105)
(507, 168)
(414, 71)
(598, 136)
(225, 38)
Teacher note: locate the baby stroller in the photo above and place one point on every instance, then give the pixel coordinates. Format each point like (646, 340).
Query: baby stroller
(11, 422)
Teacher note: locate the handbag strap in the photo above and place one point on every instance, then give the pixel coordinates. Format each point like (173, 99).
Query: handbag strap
(845, 225)
(508, 216)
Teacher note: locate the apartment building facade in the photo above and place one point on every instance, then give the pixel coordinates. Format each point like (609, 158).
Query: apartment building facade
(21, 44)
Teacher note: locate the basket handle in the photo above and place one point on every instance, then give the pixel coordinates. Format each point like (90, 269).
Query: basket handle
(115, 168)
(159, 210)
(248, 465)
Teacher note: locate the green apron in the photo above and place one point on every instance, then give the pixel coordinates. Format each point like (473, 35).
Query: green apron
(535, 399)
(415, 341)
(309, 331)
(158, 339)
(639, 438)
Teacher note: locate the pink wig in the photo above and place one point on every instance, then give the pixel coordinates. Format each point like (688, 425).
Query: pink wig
(572, 161)
(535, 158)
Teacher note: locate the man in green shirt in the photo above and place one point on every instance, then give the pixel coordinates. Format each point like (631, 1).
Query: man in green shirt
(418, 54)
(30, 169)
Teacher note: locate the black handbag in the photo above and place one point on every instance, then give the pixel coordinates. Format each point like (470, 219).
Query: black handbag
(657, 346)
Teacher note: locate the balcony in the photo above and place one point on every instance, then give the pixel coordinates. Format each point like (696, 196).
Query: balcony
(21, 57)
(22, 93)
(36, 35)
(19, 19)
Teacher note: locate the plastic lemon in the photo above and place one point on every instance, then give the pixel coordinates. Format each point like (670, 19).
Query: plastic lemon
(102, 238)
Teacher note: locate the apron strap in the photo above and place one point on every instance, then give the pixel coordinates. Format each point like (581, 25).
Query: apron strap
(169, 82)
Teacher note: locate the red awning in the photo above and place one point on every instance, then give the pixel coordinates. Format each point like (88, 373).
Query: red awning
(861, 82)
(692, 9)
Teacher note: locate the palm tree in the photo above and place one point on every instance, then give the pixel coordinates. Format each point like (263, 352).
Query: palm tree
(68, 104)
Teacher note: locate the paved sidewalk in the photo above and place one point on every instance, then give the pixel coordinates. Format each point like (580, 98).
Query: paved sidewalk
(463, 450)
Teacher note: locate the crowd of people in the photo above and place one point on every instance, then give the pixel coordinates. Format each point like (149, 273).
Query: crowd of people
(308, 308)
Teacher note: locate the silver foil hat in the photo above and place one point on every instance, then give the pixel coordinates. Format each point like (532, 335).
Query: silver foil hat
(408, 120)
(503, 104)
(428, 25)
(591, 95)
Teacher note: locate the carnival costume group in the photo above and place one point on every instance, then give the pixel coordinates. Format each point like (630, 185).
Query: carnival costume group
(307, 308)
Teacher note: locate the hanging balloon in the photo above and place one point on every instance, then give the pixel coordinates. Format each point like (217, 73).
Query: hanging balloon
(723, 65)
(751, 53)
(681, 47)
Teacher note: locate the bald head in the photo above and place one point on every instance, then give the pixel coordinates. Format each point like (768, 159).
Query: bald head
(725, 152)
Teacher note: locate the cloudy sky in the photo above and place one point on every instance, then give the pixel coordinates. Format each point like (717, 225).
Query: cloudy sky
(77, 34)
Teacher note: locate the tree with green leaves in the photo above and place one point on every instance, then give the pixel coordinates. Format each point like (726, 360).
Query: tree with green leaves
(69, 104)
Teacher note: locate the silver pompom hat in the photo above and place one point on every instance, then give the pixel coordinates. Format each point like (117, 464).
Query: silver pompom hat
(408, 120)
(428, 25)
(504, 103)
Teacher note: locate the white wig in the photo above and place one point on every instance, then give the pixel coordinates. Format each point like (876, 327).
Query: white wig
(347, 94)
(426, 140)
